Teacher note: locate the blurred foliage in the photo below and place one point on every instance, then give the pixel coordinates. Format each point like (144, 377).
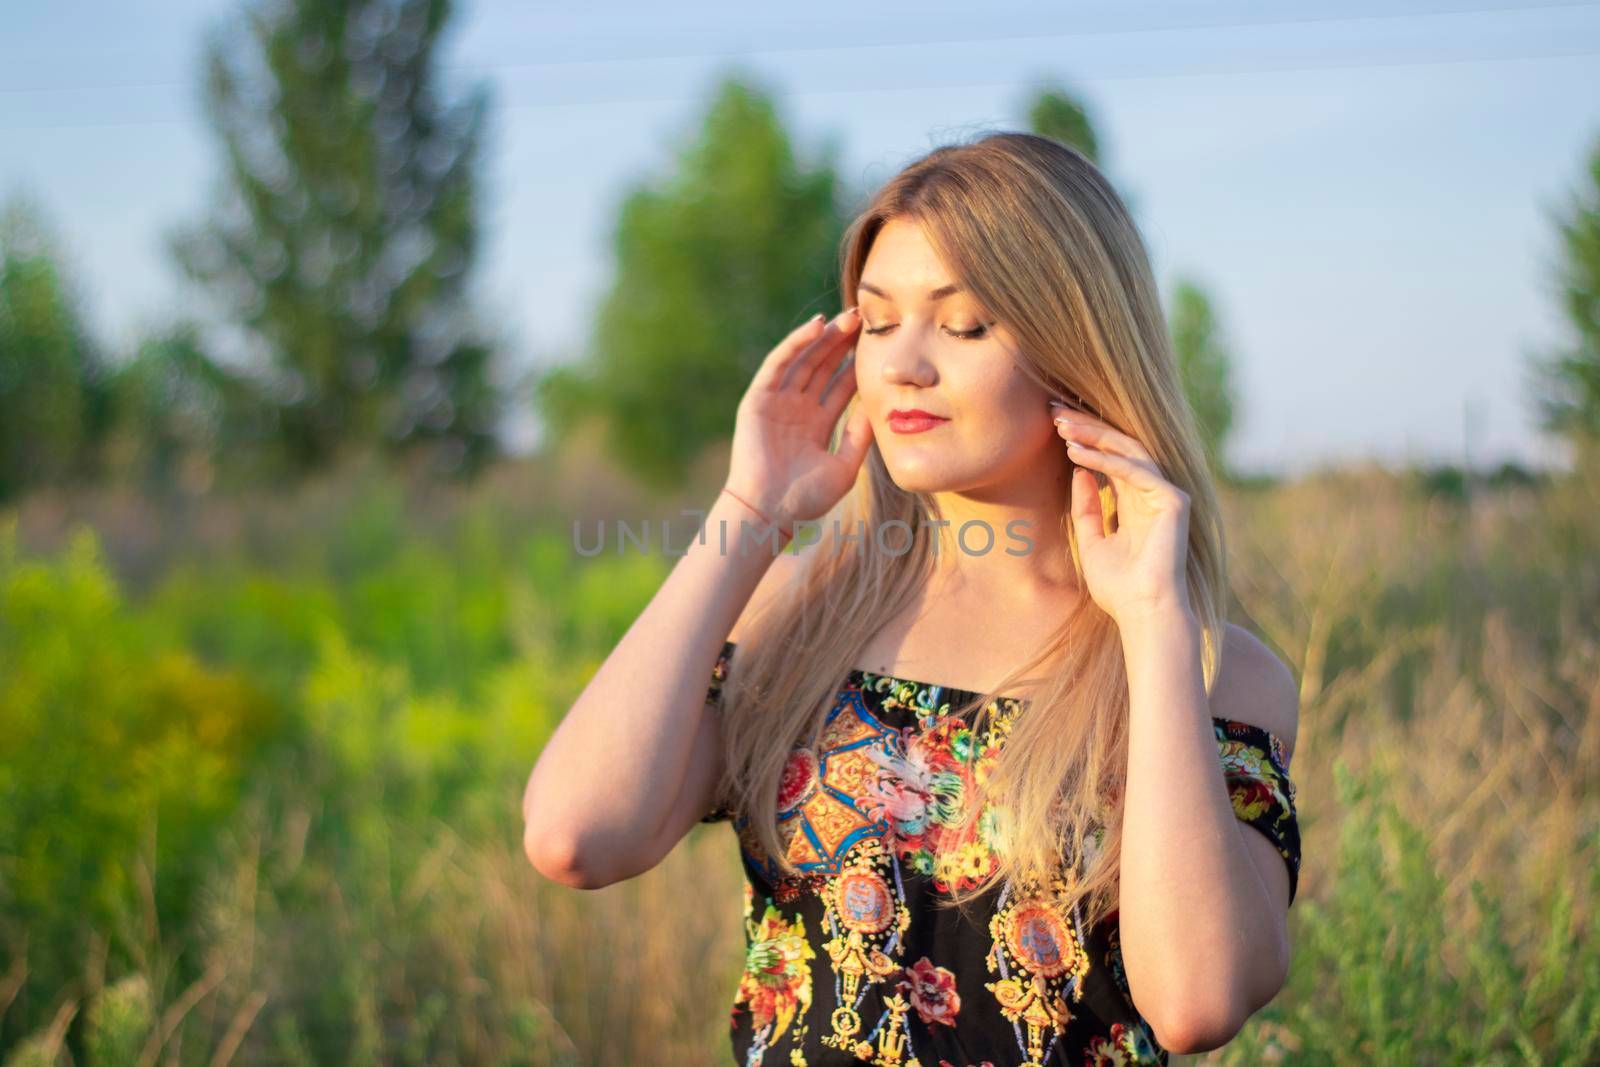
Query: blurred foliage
(1456, 483)
(53, 402)
(327, 713)
(339, 258)
(347, 230)
(1055, 113)
(1566, 383)
(120, 1021)
(168, 418)
(1052, 109)
(183, 421)
(380, 695)
(1205, 363)
(1383, 975)
(120, 754)
(716, 260)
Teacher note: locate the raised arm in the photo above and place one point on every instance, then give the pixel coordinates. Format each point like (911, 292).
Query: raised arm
(634, 749)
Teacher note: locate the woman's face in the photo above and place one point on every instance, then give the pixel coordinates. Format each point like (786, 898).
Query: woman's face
(995, 422)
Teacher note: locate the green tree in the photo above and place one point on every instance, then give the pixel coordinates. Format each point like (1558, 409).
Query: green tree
(1565, 383)
(347, 227)
(53, 404)
(1203, 358)
(1057, 114)
(715, 261)
(1206, 365)
(183, 419)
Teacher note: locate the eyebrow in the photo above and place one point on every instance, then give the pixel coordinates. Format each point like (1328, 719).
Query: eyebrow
(935, 295)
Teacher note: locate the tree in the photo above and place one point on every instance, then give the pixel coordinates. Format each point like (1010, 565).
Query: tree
(1056, 112)
(53, 402)
(181, 418)
(1060, 116)
(716, 260)
(1206, 366)
(1565, 383)
(1203, 359)
(347, 227)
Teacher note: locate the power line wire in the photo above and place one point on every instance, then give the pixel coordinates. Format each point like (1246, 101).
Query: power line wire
(1000, 38)
(786, 93)
(900, 41)
(1086, 79)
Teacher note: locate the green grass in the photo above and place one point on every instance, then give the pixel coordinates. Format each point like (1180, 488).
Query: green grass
(259, 782)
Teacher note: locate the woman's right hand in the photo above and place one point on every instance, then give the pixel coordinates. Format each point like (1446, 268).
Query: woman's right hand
(780, 461)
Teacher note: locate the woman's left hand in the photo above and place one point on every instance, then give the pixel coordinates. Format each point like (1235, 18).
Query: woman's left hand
(1141, 567)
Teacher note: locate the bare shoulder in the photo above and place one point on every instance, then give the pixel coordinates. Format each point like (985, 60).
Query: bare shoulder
(783, 577)
(1255, 686)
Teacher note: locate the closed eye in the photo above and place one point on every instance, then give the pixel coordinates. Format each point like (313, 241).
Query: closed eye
(976, 333)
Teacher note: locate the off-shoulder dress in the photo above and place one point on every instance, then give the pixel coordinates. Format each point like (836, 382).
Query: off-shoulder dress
(852, 963)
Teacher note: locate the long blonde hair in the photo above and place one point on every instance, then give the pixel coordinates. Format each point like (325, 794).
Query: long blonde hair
(1043, 242)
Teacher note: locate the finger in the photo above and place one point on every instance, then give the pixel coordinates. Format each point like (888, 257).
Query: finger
(1075, 435)
(839, 351)
(855, 439)
(840, 388)
(785, 351)
(1087, 518)
(1076, 406)
(1118, 467)
(807, 372)
(1107, 438)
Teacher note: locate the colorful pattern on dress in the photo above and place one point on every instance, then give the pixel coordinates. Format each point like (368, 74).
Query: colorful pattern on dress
(776, 985)
(850, 962)
(1263, 795)
(866, 915)
(818, 817)
(1123, 1044)
(926, 793)
(1037, 947)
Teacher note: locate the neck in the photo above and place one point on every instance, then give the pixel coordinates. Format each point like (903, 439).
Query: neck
(1018, 545)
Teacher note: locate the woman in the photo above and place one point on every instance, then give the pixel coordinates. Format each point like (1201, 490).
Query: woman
(1090, 860)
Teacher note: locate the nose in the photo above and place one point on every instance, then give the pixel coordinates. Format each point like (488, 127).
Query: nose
(905, 363)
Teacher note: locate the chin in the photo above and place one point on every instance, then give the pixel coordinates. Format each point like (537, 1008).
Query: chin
(923, 477)
(954, 470)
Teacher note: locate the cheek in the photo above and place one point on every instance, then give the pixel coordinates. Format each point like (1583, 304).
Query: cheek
(1000, 402)
(870, 387)
(864, 366)
(994, 427)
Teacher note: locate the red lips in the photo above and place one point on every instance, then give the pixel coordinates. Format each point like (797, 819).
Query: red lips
(914, 420)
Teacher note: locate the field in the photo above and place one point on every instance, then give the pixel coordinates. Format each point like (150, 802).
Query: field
(262, 759)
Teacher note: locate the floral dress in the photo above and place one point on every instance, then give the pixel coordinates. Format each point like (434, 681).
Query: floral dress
(852, 963)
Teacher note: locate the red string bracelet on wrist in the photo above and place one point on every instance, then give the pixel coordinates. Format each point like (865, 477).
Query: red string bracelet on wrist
(787, 536)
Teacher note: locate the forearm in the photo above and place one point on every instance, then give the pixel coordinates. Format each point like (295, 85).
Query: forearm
(1189, 887)
(622, 750)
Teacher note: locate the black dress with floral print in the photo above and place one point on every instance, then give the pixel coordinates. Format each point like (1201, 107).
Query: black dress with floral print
(852, 963)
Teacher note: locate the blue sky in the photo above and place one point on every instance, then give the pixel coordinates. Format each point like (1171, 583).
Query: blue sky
(1361, 186)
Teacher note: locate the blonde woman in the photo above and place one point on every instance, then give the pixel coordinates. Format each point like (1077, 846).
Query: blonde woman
(1007, 786)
